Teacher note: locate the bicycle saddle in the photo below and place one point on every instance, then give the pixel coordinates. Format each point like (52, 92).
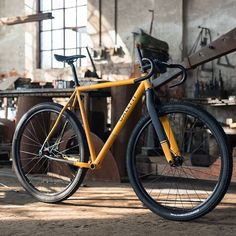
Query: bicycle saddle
(68, 59)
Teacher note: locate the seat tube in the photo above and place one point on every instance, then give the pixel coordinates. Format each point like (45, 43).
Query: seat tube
(158, 126)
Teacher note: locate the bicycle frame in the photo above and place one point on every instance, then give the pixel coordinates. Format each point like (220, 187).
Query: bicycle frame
(167, 139)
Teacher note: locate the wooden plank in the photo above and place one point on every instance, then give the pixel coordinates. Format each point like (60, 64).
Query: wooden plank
(219, 47)
(232, 125)
(25, 19)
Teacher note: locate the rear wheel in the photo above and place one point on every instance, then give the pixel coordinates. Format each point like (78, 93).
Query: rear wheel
(42, 172)
(190, 189)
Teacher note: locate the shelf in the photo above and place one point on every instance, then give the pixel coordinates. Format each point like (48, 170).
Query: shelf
(49, 92)
(213, 101)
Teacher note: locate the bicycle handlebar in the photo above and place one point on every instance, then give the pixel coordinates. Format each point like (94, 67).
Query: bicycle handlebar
(144, 68)
(150, 67)
(152, 64)
(184, 74)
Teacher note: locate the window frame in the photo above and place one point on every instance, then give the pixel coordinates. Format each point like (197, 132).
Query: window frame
(80, 30)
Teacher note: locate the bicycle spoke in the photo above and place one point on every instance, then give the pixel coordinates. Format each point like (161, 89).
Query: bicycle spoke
(24, 135)
(44, 177)
(191, 181)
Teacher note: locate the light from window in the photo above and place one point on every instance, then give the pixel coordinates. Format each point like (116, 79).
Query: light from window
(66, 34)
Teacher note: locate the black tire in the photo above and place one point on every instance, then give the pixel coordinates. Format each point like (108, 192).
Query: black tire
(190, 190)
(46, 179)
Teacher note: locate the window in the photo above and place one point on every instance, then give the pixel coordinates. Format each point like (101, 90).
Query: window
(66, 34)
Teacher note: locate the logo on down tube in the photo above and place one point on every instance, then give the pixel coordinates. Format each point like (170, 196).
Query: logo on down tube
(127, 108)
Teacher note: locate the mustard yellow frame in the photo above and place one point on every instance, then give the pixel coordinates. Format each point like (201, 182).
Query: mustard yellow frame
(96, 161)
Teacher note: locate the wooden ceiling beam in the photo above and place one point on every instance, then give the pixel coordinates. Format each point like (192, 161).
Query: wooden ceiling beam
(25, 19)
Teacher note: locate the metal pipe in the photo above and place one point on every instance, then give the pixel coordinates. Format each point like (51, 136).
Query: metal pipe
(116, 18)
(100, 23)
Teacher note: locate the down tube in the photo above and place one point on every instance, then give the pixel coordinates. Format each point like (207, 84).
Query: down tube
(128, 110)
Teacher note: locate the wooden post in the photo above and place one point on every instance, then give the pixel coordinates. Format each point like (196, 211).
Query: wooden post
(120, 99)
(5, 105)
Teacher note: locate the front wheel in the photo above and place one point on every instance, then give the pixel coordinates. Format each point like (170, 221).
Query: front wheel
(192, 188)
(42, 172)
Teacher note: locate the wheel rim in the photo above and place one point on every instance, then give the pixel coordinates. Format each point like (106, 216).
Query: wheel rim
(43, 175)
(183, 188)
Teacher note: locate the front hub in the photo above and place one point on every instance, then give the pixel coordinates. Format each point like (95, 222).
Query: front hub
(178, 161)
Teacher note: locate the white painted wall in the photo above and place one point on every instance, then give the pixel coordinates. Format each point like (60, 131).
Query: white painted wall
(18, 44)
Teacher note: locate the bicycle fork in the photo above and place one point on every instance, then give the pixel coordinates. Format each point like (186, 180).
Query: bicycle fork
(163, 131)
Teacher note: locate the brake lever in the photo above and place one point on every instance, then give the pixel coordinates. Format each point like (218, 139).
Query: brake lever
(184, 74)
(151, 69)
(183, 70)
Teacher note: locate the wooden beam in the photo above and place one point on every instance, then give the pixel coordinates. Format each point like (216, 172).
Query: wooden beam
(217, 48)
(25, 19)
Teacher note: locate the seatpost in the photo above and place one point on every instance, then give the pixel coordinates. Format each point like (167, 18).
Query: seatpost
(74, 73)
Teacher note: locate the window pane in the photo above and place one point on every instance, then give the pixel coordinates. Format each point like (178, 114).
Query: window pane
(46, 24)
(89, 41)
(70, 52)
(55, 63)
(46, 59)
(70, 17)
(57, 22)
(57, 39)
(81, 31)
(57, 4)
(84, 61)
(46, 40)
(81, 2)
(70, 37)
(84, 42)
(83, 51)
(55, 31)
(45, 5)
(70, 3)
(82, 16)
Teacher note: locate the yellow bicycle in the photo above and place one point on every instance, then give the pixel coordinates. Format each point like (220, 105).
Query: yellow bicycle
(178, 159)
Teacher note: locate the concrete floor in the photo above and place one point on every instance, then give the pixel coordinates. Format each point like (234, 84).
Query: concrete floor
(101, 209)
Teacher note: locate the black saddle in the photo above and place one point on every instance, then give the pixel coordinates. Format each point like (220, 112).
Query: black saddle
(68, 59)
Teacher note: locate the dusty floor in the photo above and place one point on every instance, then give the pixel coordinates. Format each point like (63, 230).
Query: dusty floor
(101, 209)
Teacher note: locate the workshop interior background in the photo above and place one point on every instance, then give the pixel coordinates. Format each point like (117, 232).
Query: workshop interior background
(26, 49)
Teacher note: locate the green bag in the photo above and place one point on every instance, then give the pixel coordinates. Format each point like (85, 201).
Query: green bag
(153, 47)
